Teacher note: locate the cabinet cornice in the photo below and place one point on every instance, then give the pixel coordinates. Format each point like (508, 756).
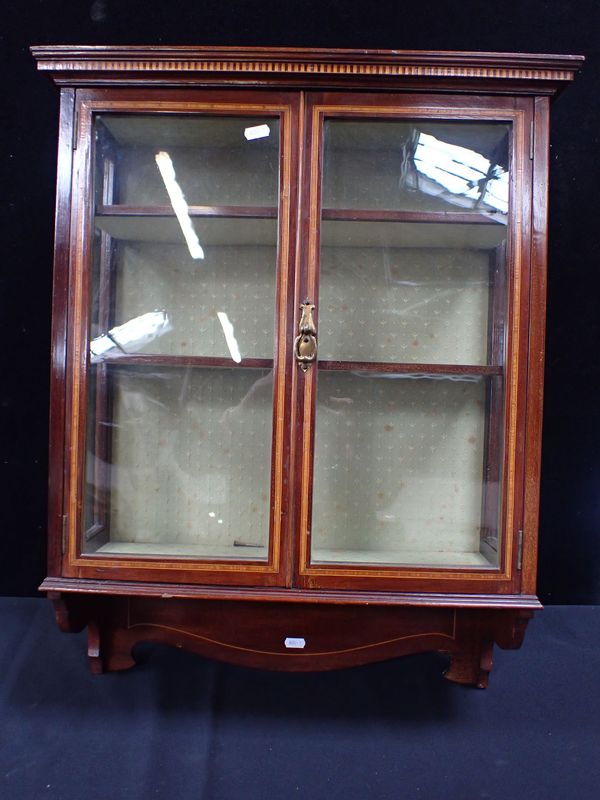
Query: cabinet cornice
(89, 65)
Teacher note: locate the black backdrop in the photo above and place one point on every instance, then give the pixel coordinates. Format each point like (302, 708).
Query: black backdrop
(570, 513)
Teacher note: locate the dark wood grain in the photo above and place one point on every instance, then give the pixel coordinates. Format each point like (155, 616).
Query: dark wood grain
(404, 368)
(336, 214)
(57, 461)
(537, 332)
(423, 217)
(332, 636)
(165, 360)
(387, 70)
(142, 54)
(86, 586)
(518, 350)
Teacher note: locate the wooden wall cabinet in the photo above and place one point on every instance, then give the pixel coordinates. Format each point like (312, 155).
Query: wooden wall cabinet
(297, 351)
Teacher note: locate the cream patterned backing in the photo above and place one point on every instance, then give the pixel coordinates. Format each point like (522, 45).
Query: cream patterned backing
(404, 305)
(191, 455)
(239, 281)
(398, 469)
(213, 161)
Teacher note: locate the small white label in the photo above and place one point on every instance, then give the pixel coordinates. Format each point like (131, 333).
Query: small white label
(295, 642)
(257, 132)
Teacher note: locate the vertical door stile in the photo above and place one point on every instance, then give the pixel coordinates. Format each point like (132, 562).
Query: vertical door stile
(306, 289)
(519, 336)
(288, 272)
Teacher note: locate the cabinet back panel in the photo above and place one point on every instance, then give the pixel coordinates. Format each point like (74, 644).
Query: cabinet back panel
(404, 305)
(399, 466)
(238, 282)
(190, 453)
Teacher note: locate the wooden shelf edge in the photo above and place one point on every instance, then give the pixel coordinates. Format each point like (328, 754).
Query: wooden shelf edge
(167, 591)
(329, 214)
(152, 360)
(403, 368)
(420, 217)
(225, 212)
(400, 368)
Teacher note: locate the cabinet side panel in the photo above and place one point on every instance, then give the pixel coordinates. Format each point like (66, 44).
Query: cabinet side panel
(59, 333)
(535, 377)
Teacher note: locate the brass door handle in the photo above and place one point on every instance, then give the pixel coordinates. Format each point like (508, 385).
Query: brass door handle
(305, 344)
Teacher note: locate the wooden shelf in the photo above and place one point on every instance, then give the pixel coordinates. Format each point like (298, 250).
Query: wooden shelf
(424, 217)
(230, 212)
(417, 558)
(390, 368)
(183, 550)
(244, 229)
(341, 214)
(212, 230)
(159, 360)
(403, 368)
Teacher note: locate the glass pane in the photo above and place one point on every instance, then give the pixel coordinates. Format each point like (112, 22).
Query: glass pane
(412, 274)
(216, 160)
(176, 282)
(182, 300)
(180, 462)
(394, 292)
(404, 470)
(417, 165)
(413, 242)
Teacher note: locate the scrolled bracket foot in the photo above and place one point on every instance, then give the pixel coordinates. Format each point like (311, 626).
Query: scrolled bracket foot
(109, 650)
(471, 668)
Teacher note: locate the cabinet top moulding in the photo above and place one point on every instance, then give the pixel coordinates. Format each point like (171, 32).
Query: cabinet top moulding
(475, 72)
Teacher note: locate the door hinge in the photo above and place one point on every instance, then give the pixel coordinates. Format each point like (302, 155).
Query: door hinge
(65, 528)
(531, 139)
(520, 549)
(75, 129)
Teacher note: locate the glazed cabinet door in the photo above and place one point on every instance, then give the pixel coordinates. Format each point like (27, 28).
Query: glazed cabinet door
(182, 242)
(416, 269)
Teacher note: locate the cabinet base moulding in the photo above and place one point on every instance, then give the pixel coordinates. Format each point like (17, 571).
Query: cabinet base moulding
(290, 637)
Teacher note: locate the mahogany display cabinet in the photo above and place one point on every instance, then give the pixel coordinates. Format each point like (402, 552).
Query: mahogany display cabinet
(297, 351)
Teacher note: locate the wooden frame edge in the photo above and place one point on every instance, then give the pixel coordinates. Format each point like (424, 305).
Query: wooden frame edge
(282, 595)
(535, 371)
(58, 365)
(440, 63)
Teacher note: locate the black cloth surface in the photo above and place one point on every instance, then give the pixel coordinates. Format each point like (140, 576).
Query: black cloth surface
(178, 726)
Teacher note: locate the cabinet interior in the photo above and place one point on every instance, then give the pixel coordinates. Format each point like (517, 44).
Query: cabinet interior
(411, 321)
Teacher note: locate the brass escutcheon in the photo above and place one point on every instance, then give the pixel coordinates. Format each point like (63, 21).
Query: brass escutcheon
(305, 344)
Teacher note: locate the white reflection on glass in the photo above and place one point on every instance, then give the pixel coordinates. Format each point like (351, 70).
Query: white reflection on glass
(232, 344)
(257, 132)
(180, 207)
(416, 376)
(132, 335)
(461, 171)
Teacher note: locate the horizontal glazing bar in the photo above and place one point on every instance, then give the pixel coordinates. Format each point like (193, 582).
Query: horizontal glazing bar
(158, 360)
(386, 215)
(410, 368)
(258, 212)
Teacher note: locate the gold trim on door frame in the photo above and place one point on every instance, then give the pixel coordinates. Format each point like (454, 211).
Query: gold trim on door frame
(517, 118)
(80, 335)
